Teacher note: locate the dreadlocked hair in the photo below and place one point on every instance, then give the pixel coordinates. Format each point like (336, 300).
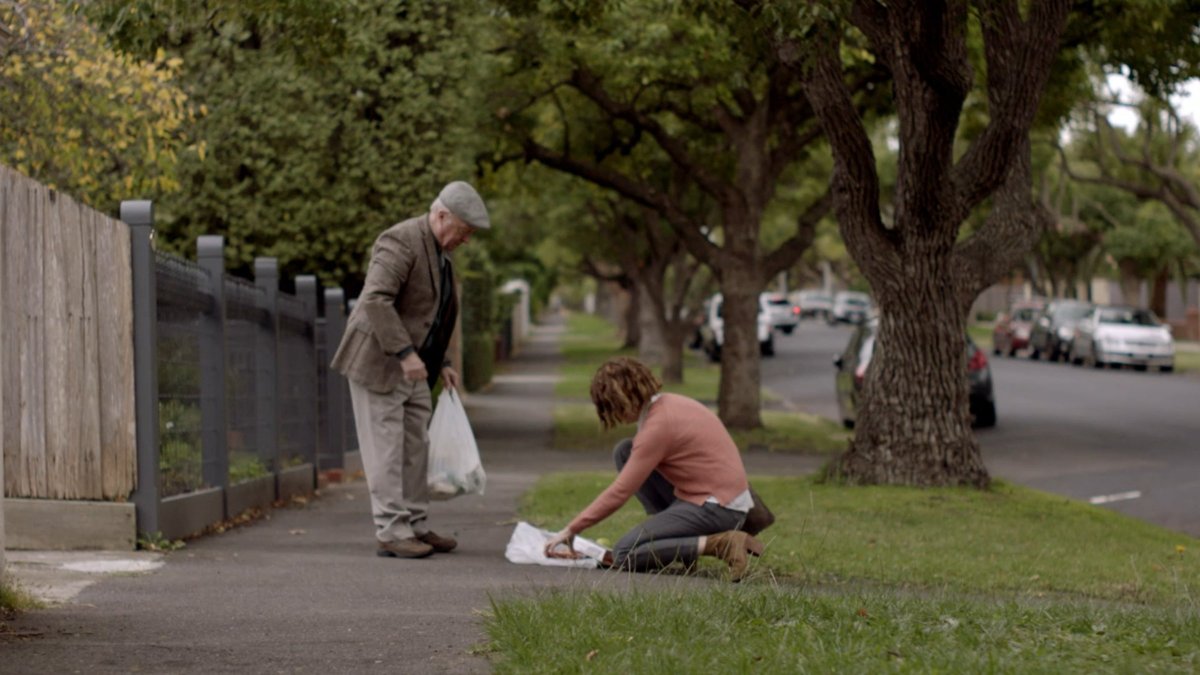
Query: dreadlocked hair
(621, 387)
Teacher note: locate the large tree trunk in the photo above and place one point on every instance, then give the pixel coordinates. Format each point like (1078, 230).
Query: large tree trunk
(650, 346)
(738, 399)
(631, 319)
(676, 333)
(914, 423)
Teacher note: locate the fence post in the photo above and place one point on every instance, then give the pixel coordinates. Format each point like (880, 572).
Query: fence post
(210, 253)
(306, 291)
(335, 385)
(139, 216)
(266, 277)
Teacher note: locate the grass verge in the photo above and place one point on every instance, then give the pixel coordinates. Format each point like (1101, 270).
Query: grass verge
(589, 340)
(864, 579)
(577, 428)
(1187, 362)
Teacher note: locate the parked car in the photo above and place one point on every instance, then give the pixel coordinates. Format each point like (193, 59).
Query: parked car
(1054, 329)
(713, 331)
(784, 316)
(849, 307)
(1123, 336)
(812, 303)
(1012, 329)
(852, 365)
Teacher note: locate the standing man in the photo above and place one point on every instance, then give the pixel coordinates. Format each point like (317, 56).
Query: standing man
(392, 353)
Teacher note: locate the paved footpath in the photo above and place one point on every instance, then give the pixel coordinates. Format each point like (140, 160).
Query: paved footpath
(304, 592)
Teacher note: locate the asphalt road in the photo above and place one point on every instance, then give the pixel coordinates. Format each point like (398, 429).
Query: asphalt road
(1130, 439)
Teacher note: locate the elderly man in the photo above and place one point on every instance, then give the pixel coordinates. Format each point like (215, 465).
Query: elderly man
(393, 352)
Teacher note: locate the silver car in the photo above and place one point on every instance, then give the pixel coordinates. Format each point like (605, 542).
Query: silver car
(1123, 336)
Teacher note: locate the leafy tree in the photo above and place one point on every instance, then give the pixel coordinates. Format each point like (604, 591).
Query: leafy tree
(82, 118)
(914, 425)
(611, 92)
(1158, 161)
(325, 123)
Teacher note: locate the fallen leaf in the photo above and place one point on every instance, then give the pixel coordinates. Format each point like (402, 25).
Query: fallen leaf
(861, 612)
(590, 655)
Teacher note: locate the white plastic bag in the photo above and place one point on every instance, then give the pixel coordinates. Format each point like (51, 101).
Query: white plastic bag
(527, 546)
(454, 465)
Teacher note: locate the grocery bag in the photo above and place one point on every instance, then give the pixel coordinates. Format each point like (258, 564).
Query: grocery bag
(454, 465)
(527, 546)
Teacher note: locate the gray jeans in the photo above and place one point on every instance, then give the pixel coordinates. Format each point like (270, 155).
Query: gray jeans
(673, 531)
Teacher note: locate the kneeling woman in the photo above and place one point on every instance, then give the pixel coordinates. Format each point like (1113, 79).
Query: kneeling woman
(684, 468)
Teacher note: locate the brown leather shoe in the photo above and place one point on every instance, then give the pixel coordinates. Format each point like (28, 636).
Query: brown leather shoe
(404, 548)
(733, 547)
(439, 543)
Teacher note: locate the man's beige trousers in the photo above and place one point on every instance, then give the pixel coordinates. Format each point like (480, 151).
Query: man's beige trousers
(393, 436)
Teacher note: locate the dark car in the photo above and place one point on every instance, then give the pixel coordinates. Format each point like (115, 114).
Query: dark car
(1012, 329)
(852, 364)
(1054, 330)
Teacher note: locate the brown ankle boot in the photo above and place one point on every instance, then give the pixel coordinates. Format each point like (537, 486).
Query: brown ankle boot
(733, 546)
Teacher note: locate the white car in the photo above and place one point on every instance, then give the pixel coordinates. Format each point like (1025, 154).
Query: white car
(1123, 336)
(783, 314)
(712, 333)
(850, 307)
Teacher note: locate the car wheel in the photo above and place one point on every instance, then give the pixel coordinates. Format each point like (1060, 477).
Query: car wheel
(1166, 369)
(1034, 354)
(787, 330)
(847, 423)
(714, 354)
(985, 415)
(767, 348)
(1140, 367)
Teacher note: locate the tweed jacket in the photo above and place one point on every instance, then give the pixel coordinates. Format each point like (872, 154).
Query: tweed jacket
(397, 308)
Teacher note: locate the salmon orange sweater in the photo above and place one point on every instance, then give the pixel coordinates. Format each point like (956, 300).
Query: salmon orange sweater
(685, 442)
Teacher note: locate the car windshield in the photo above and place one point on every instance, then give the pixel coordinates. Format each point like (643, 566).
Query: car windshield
(777, 301)
(1128, 317)
(1025, 314)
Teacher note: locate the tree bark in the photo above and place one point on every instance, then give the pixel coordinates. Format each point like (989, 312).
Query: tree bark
(913, 426)
(739, 396)
(651, 345)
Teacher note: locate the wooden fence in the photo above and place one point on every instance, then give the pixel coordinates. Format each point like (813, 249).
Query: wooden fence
(66, 337)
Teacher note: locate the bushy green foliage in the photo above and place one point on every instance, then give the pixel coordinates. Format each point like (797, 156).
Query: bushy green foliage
(323, 123)
(80, 117)
(478, 360)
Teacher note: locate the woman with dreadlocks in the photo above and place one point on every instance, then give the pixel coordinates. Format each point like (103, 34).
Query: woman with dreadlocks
(684, 468)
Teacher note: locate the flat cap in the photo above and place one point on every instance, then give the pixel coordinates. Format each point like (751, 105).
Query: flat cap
(465, 203)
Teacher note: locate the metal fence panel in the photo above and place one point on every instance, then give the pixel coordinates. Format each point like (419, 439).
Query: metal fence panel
(184, 297)
(297, 391)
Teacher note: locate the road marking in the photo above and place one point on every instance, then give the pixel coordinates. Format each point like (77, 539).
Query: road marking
(1119, 497)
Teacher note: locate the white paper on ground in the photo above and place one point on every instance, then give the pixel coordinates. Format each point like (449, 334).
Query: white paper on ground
(527, 546)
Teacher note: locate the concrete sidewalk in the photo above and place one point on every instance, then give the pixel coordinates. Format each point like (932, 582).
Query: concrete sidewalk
(304, 592)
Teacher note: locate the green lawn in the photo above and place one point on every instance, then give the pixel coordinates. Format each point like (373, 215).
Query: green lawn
(1188, 361)
(589, 340)
(864, 579)
(576, 427)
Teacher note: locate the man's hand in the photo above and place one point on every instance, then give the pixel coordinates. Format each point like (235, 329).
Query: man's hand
(565, 537)
(414, 367)
(450, 378)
